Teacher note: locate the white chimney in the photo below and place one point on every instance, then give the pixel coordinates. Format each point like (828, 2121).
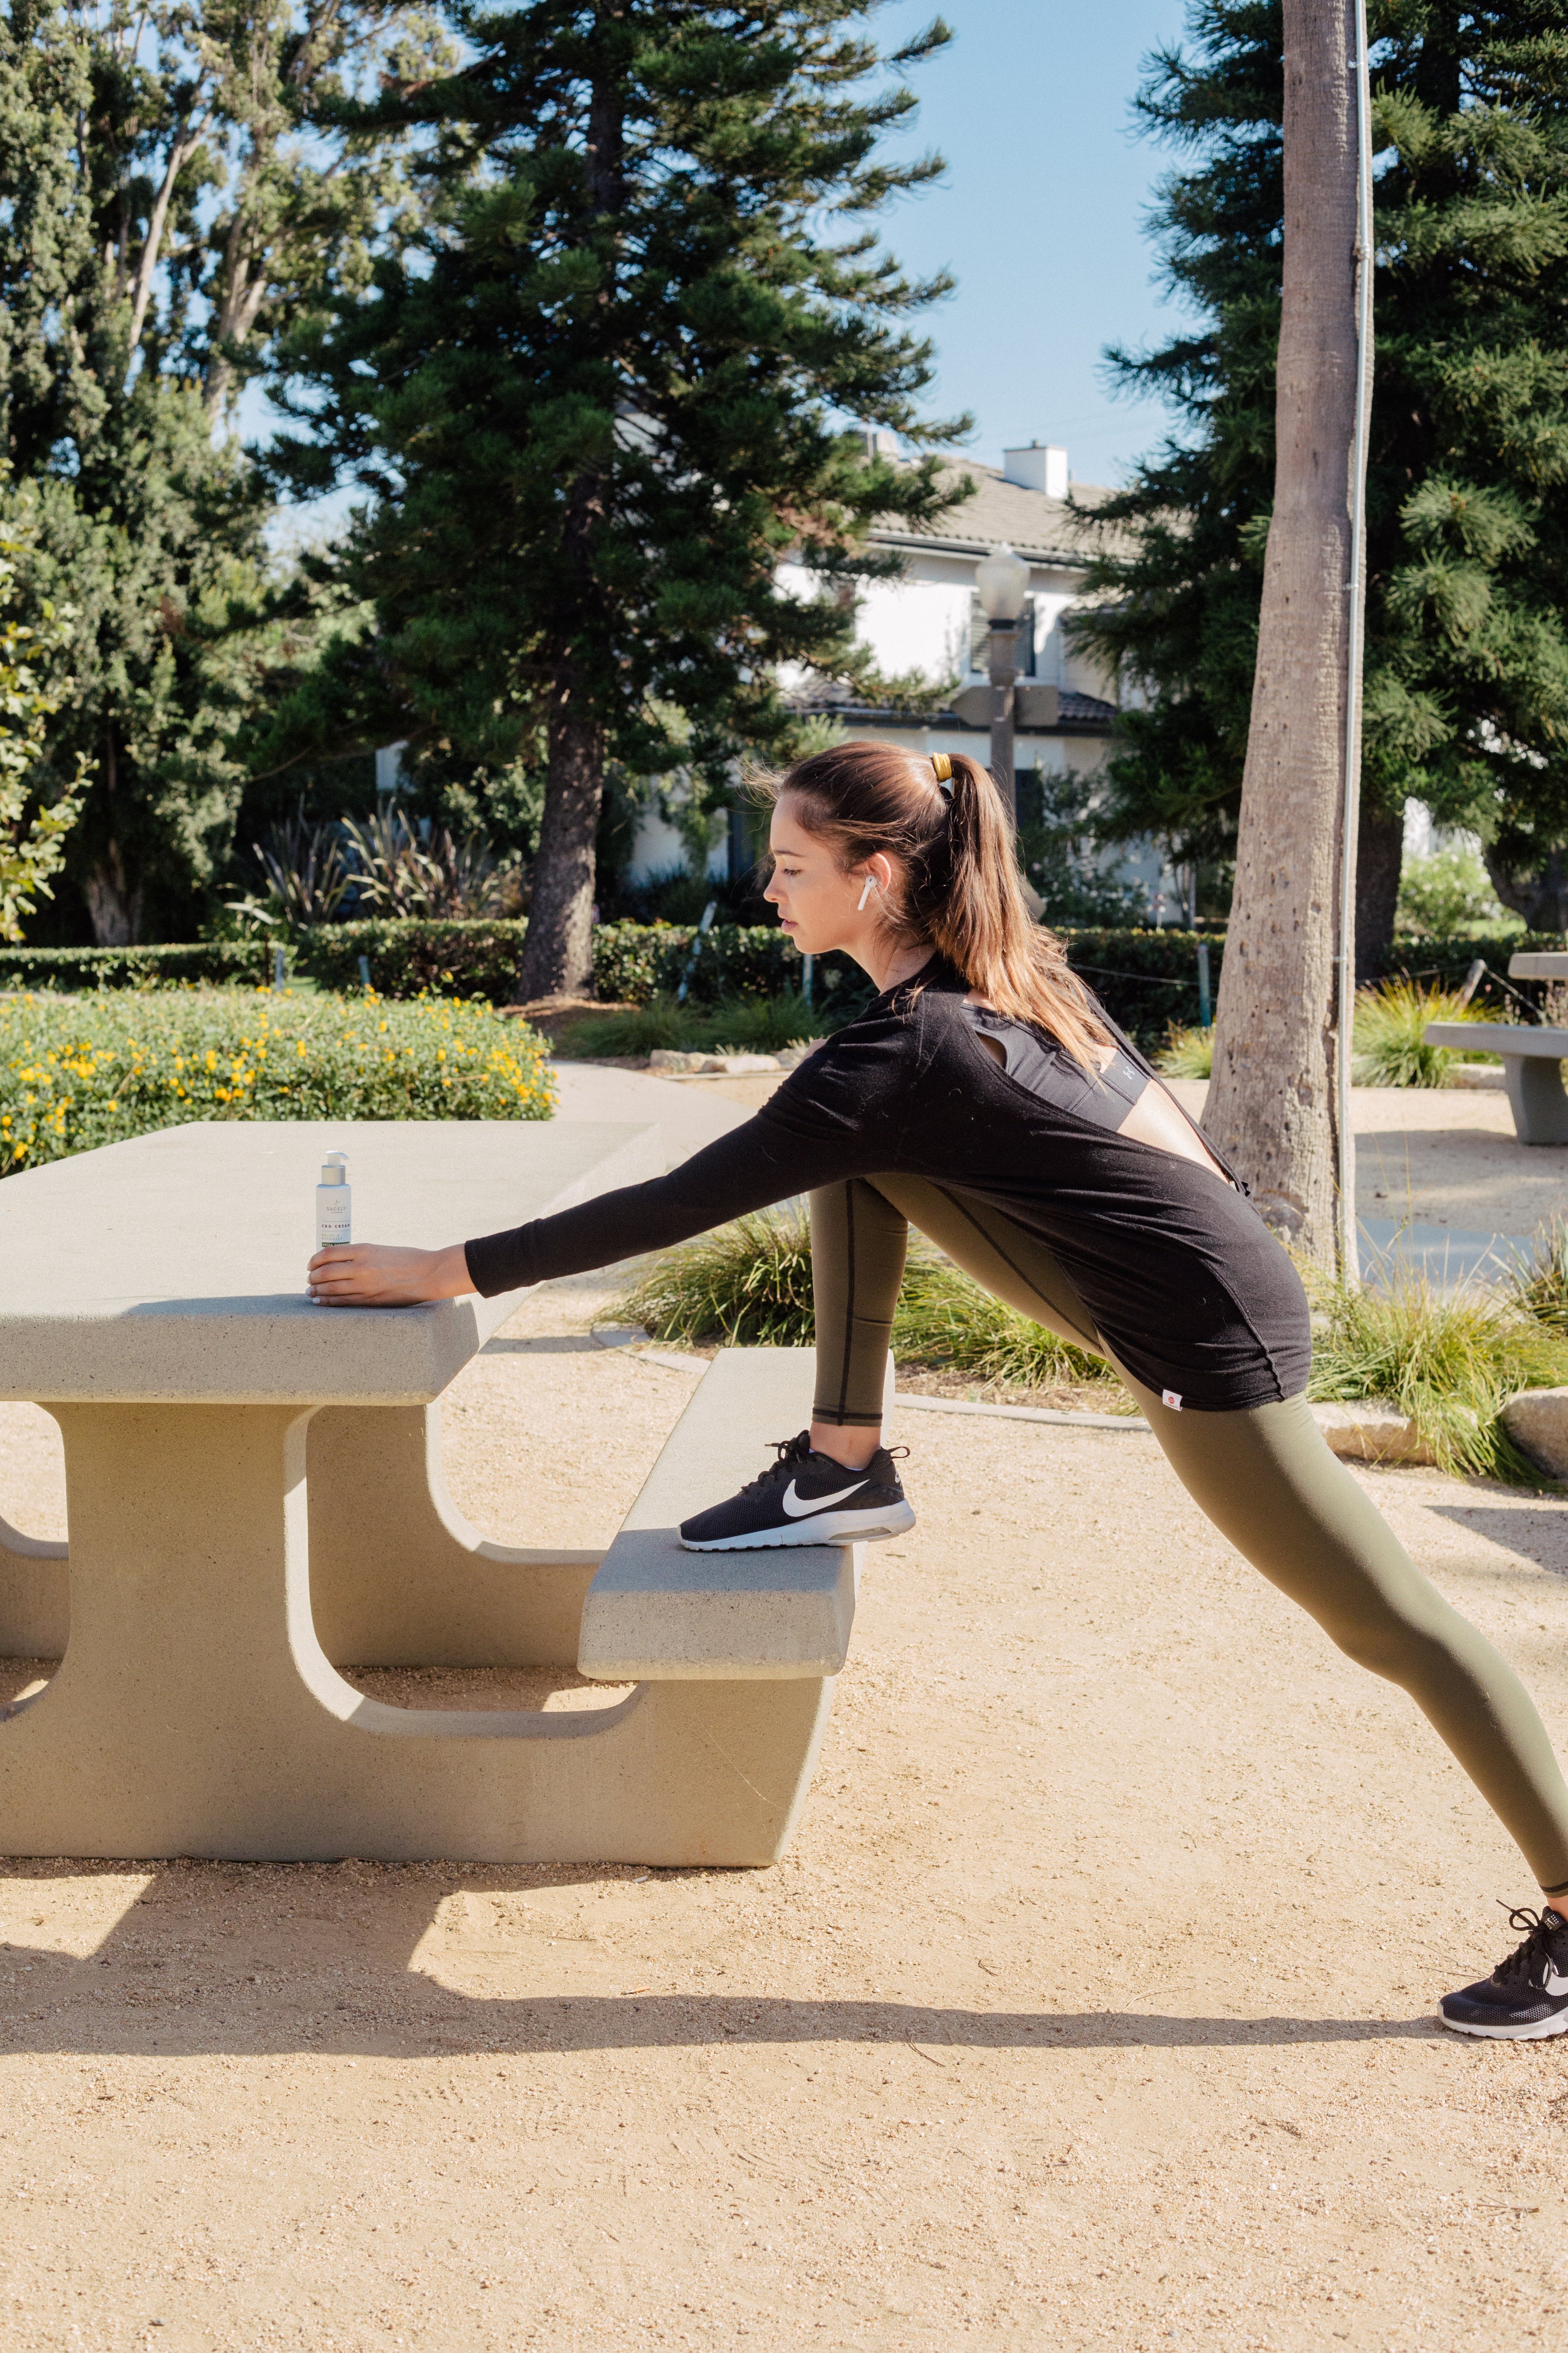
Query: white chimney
(1041, 467)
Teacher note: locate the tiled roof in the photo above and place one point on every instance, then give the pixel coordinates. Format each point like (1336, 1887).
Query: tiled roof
(1077, 714)
(998, 511)
(1084, 710)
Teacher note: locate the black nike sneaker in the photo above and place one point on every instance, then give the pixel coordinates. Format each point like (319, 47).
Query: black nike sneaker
(805, 1498)
(1526, 1997)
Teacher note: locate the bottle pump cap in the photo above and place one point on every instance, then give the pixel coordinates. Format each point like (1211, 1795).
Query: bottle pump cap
(334, 1172)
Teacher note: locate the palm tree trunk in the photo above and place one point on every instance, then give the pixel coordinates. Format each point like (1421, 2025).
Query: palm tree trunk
(1271, 1106)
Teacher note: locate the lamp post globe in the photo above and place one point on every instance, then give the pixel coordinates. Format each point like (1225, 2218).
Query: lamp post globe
(1002, 584)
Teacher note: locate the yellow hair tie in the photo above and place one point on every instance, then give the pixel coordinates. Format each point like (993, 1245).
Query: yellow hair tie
(943, 765)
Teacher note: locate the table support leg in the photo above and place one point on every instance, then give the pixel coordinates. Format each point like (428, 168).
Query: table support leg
(399, 1579)
(196, 1712)
(1536, 1097)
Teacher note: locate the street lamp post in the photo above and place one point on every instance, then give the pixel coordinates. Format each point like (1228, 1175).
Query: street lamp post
(1002, 583)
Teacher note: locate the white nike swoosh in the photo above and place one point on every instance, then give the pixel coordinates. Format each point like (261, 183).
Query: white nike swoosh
(1554, 1984)
(797, 1505)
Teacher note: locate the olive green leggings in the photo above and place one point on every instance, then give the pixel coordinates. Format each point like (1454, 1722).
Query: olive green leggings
(1264, 1477)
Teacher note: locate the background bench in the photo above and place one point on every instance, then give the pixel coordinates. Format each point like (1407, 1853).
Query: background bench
(1532, 1068)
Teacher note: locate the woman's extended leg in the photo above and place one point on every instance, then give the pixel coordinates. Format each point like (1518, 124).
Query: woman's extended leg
(1267, 1480)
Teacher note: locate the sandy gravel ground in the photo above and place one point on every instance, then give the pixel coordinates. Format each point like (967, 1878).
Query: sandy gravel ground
(1092, 2007)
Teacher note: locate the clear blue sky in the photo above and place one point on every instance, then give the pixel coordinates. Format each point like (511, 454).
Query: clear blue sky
(1040, 217)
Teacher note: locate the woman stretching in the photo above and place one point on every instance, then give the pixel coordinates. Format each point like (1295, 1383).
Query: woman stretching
(985, 1097)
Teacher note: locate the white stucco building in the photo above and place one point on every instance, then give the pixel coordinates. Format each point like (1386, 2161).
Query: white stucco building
(929, 621)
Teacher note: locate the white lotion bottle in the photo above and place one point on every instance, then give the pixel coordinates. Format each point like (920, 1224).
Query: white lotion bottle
(334, 1203)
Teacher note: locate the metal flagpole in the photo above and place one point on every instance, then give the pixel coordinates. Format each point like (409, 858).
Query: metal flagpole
(1349, 799)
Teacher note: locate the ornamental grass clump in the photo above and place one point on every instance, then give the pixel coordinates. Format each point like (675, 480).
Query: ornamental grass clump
(1187, 1052)
(1388, 1042)
(1448, 1360)
(748, 1284)
(79, 1071)
(1539, 1284)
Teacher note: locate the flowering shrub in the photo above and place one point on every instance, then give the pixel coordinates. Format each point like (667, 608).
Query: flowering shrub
(78, 1072)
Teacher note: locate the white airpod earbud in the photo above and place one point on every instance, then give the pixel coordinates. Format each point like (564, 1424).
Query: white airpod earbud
(870, 886)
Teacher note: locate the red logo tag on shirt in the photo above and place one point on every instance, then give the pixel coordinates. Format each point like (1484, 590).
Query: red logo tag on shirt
(1169, 1396)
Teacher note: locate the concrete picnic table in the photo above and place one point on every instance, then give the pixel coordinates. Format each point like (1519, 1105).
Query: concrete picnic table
(255, 1500)
(1533, 1054)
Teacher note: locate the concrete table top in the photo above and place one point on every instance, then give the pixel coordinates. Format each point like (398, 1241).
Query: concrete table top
(173, 1268)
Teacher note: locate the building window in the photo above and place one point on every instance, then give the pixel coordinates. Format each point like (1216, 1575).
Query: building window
(980, 633)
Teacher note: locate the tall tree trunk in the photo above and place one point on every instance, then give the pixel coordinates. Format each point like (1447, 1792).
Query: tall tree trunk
(1271, 1106)
(1380, 855)
(557, 953)
(558, 950)
(113, 906)
(1538, 891)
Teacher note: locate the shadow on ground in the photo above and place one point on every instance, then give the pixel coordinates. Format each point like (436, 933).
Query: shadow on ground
(345, 1982)
(1525, 1529)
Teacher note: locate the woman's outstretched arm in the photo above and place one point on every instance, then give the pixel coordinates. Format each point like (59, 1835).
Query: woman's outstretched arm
(799, 1140)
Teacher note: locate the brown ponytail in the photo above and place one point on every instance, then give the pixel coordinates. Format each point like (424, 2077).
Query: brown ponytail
(954, 842)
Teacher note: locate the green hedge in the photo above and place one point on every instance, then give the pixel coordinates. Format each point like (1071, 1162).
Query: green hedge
(1145, 980)
(408, 957)
(632, 962)
(1443, 964)
(220, 962)
(1148, 979)
(78, 1072)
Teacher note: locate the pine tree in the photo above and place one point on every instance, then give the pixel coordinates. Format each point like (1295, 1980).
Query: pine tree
(603, 398)
(158, 220)
(1466, 671)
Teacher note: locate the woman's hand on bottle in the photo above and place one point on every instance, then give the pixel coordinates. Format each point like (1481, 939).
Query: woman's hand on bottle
(380, 1274)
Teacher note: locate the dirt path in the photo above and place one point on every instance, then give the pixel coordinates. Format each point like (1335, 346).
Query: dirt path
(1091, 2008)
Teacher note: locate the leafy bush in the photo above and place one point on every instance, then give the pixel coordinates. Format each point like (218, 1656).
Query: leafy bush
(754, 1025)
(409, 959)
(1186, 1054)
(75, 1072)
(1441, 894)
(749, 1285)
(1388, 1041)
(1448, 1360)
(218, 961)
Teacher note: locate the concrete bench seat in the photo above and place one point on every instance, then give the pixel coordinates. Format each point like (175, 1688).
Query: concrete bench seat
(1532, 1066)
(656, 1612)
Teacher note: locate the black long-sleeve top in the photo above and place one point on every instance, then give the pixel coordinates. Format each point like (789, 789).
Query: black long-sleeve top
(1184, 1281)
